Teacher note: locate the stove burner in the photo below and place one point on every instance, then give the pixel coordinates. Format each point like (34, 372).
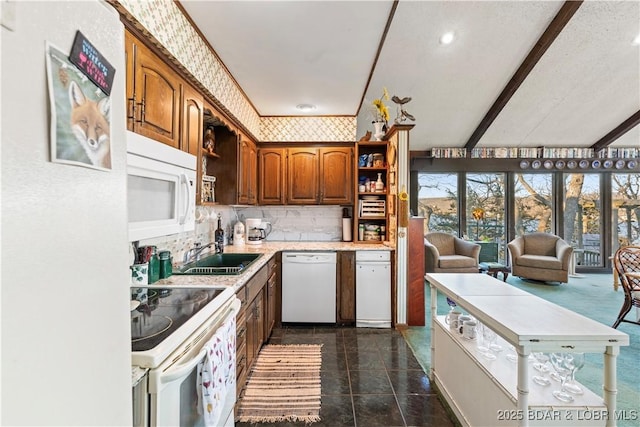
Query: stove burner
(144, 327)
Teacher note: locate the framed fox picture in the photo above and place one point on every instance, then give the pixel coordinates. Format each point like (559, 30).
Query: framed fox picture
(80, 115)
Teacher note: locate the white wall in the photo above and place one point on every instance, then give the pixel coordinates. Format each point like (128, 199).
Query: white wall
(64, 302)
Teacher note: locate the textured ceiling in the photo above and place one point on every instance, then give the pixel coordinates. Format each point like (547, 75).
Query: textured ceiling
(284, 53)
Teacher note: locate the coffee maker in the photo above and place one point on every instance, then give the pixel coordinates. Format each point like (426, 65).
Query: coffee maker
(257, 230)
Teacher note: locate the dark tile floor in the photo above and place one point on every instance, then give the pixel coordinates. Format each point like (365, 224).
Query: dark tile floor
(370, 377)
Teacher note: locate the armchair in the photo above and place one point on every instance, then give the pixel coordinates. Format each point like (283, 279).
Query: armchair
(540, 256)
(446, 253)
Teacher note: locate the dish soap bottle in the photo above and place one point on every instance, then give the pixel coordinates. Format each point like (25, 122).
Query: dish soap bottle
(219, 236)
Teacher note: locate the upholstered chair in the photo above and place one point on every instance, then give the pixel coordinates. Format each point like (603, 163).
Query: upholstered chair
(446, 253)
(540, 256)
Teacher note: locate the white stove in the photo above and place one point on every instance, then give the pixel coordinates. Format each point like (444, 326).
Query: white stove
(172, 331)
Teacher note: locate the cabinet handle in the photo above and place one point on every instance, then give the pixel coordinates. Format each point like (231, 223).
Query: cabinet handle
(131, 108)
(241, 332)
(141, 104)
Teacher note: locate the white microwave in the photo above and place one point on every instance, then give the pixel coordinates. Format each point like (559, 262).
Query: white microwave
(161, 188)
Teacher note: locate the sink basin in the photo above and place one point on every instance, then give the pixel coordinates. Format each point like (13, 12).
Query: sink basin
(218, 265)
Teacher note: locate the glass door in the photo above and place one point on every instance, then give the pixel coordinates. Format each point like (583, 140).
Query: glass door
(625, 212)
(485, 214)
(582, 220)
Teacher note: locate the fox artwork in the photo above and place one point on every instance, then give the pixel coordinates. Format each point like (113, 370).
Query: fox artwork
(81, 115)
(90, 126)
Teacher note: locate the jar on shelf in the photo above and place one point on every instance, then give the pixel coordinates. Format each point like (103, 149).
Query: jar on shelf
(378, 160)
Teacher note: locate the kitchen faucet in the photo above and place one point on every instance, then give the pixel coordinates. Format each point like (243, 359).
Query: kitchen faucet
(193, 254)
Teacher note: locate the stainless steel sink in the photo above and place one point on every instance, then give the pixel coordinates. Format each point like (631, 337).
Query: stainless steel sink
(218, 265)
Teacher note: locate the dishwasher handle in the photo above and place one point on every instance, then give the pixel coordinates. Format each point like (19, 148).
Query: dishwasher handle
(310, 258)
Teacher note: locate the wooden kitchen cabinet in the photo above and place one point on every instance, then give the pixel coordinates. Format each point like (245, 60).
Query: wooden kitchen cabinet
(241, 342)
(302, 176)
(271, 297)
(234, 163)
(247, 172)
(191, 120)
(319, 175)
(153, 94)
(272, 176)
(255, 319)
(336, 175)
(346, 288)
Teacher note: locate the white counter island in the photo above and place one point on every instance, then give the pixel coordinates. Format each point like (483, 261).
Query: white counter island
(497, 392)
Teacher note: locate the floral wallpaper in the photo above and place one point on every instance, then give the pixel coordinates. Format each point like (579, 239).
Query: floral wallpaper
(163, 21)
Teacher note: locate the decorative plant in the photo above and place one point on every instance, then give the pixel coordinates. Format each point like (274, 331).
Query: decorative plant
(380, 111)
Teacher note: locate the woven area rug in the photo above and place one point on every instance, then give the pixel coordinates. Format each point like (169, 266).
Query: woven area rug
(284, 385)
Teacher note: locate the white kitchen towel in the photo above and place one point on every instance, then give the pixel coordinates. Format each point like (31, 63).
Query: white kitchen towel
(214, 371)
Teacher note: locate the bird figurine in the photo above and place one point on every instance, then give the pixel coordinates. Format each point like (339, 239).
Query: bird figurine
(400, 101)
(402, 113)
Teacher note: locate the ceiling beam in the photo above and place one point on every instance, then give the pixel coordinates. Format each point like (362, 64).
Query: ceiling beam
(392, 13)
(616, 133)
(561, 19)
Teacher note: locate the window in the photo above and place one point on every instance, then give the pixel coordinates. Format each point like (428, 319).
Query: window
(533, 203)
(625, 212)
(438, 202)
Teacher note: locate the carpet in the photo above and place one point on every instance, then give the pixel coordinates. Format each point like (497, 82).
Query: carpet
(284, 385)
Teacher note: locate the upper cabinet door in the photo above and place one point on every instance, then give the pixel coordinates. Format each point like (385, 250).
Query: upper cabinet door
(247, 174)
(129, 54)
(271, 176)
(336, 175)
(192, 114)
(303, 176)
(157, 97)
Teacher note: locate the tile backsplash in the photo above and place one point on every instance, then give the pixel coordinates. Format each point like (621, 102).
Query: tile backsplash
(298, 223)
(289, 223)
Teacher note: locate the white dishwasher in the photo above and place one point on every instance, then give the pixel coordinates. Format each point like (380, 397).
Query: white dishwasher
(373, 289)
(309, 287)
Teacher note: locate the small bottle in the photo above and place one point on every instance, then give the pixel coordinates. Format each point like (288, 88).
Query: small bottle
(361, 232)
(219, 235)
(379, 184)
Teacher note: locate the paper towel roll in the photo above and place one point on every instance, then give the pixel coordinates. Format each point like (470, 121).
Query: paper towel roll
(346, 229)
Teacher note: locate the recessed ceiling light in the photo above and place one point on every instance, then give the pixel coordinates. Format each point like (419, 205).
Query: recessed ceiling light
(447, 38)
(636, 41)
(306, 107)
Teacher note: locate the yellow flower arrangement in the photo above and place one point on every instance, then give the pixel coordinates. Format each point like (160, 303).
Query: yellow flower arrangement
(381, 112)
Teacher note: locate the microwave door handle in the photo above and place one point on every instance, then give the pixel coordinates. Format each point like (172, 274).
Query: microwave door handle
(185, 180)
(184, 369)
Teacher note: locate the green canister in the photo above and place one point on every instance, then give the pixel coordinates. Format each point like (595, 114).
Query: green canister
(154, 266)
(165, 264)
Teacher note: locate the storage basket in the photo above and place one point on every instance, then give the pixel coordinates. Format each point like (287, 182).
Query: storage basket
(374, 208)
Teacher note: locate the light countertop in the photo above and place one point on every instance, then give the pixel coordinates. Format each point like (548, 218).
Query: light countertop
(269, 250)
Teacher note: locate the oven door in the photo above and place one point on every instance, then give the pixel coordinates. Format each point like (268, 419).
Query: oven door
(173, 385)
